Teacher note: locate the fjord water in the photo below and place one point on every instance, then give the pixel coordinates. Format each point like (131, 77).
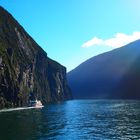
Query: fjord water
(74, 120)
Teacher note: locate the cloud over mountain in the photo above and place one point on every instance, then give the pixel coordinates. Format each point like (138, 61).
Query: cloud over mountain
(119, 40)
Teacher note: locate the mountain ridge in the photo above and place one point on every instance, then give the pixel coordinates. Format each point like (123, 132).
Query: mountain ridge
(97, 74)
(103, 54)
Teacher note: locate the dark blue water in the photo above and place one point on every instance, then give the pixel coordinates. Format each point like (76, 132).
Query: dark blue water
(74, 120)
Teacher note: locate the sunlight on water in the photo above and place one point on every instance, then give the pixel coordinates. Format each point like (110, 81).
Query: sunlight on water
(72, 120)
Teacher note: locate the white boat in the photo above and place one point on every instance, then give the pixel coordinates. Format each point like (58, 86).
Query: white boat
(32, 104)
(36, 104)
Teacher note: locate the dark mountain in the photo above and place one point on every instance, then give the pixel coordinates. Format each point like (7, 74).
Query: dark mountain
(25, 70)
(115, 75)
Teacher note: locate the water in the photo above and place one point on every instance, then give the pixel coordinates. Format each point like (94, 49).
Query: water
(74, 120)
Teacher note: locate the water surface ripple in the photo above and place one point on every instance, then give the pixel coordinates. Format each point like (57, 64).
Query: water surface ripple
(74, 120)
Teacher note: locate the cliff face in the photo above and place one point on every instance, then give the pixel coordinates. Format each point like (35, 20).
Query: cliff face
(114, 74)
(25, 70)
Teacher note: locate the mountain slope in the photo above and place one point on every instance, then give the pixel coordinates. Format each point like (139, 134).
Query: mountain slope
(115, 74)
(25, 70)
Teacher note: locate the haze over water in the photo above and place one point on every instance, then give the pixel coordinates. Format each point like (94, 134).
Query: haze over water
(72, 120)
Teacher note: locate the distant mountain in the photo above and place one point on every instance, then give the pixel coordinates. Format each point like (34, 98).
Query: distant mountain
(26, 72)
(114, 74)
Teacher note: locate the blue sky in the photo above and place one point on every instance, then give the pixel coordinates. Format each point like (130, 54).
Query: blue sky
(71, 31)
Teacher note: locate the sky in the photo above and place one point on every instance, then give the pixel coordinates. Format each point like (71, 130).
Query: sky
(72, 31)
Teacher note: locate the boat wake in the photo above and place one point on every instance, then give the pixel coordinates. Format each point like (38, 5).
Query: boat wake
(19, 108)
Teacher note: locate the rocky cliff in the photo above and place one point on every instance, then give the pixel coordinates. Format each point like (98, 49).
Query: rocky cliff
(25, 70)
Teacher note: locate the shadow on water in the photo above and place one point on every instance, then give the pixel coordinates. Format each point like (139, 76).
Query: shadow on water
(19, 125)
(72, 120)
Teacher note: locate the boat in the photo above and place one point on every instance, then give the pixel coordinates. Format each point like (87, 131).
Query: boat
(31, 105)
(35, 104)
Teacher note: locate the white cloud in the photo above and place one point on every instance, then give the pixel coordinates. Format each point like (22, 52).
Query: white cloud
(92, 42)
(119, 40)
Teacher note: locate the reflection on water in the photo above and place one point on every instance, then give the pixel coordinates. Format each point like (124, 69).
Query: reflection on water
(72, 120)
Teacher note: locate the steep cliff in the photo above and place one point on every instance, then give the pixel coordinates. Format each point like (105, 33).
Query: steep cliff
(25, 70)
